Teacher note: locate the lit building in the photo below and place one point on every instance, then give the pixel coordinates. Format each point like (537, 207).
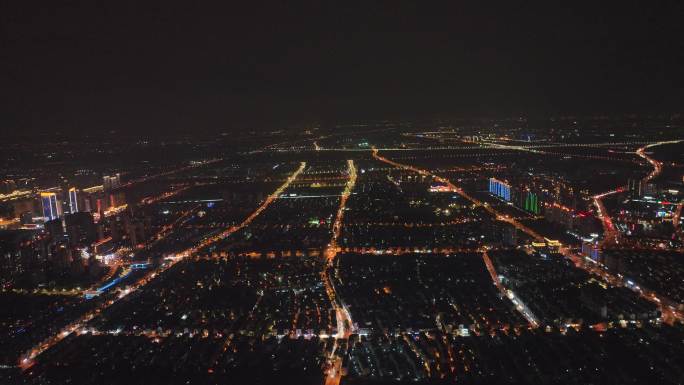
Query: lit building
(532, 203)
(634, 188)
(111, 182)
(73, 200)
(638, 188)
(51, 207)
(591, 250)
(500, 189)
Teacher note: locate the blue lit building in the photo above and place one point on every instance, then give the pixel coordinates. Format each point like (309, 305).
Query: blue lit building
(500, 189)
(591, 250)
(51, 208)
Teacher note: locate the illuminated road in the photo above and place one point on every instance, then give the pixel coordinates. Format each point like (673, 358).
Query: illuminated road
(166, 173)
(519, 305)
(168, 194)
(657, 165)
(610, 234)
(401, 250)
(331, 251)
(27, 359)
(15, 195)
(345, 325)
(44, 291)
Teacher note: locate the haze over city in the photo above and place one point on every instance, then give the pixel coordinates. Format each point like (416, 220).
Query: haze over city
(364, 193)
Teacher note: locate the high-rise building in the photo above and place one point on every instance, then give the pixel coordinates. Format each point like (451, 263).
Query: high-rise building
(637, 188)
(73, 200)
(591, 250)
(110, 182)
(89, 197)
(634, 187)
(532, 203)
(51, 207)
(649, 188)
(500, 189)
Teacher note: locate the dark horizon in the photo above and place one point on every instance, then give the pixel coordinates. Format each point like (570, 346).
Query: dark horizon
(154, 68)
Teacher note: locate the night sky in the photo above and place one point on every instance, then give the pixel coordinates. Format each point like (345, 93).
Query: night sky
(144, 66)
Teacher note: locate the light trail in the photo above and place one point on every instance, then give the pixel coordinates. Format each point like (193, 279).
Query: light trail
(657, 165)
(310, 196)
(27, 360)
(43, 291)
(345, 325)
(390, 250)
(16, 194)
(434, 224)
(405, 250)
(610, 233)
(331, 251)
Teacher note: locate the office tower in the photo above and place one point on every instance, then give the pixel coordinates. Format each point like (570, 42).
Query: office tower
(73, 200)
(107, 182)
(51, 207)
(110, 182)
(591, 250)
(649, 188)
(638, 188)
(500, 189)
(532, 203)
